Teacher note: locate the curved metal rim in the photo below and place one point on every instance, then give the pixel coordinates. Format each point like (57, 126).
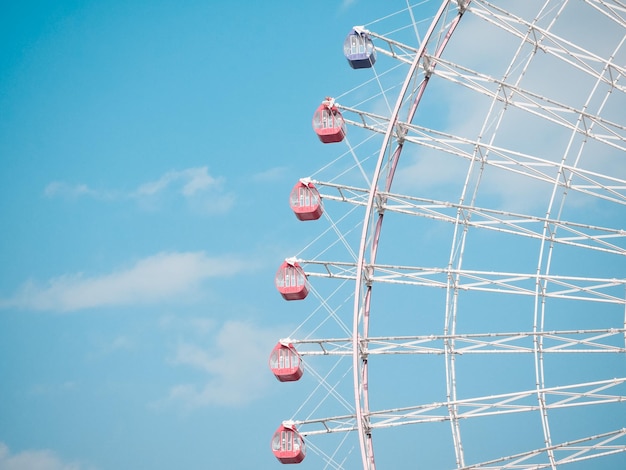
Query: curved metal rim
(361, 294)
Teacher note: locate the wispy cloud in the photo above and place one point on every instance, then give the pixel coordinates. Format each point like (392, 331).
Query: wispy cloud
(235, 364)
(62, 189)
(271, 175)
(34, 460)
(345, 4)
(160, 277)
(187, 182)
(195, 185)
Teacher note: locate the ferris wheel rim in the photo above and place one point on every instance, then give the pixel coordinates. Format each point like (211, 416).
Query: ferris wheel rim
(358, 273)
(361, 299)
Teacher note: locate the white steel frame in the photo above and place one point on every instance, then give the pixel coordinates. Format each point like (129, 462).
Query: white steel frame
(551, 230)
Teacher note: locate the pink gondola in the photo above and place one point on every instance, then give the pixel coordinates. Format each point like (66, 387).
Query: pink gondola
(305, 201)
(291, 281)
(285, 362)
(288, 444)
(328, 122)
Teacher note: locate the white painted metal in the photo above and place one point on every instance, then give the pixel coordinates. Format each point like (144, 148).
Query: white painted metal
(584, 123)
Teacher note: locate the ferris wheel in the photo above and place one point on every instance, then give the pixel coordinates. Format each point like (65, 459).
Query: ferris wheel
(463, 295)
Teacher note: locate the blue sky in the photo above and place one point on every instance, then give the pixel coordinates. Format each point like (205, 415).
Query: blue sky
(148, 150)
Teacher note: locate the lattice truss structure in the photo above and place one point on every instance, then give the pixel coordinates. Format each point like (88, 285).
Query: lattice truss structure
(490, 139)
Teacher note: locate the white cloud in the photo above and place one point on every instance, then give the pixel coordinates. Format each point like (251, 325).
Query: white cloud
(120, 343)
(235, 363)
(160, 277)
(203, 192)
(271, 175)
(195, 185)
(347, 4)
(33, 460)
(60, 188)
(187, 182)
